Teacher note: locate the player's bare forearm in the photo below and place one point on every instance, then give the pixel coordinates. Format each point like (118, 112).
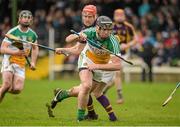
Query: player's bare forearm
(108, 67)
(75, 50)
(6, 50)
(114, 65)
(34, 54)
(72, 38)
(133, 42)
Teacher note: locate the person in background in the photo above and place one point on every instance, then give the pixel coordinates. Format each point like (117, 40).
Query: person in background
(13, 63)
(127, 37)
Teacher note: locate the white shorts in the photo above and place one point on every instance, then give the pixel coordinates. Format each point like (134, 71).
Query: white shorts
(14, 68)
(98, 75)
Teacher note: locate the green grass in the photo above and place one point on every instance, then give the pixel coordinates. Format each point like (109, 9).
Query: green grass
(142, 106)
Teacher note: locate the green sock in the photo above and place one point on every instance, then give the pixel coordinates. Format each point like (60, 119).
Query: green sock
(81, 113)
(63, 95)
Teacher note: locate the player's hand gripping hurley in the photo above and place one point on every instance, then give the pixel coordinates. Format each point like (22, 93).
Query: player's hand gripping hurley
(19, 46)
(100, 45)
(171, 95)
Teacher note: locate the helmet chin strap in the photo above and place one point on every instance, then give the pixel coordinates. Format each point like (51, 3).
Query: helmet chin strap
(23, 25)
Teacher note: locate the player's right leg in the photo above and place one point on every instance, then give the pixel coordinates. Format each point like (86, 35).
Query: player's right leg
(91, 115)
(7, 77)
(86, 77)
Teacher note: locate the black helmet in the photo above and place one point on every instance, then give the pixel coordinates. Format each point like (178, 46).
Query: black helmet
(104, 22)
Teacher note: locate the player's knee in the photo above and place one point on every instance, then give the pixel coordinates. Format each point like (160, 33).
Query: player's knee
(16, 90)
(7, 84)
(97, 94)
(73, 92)
(86, 87)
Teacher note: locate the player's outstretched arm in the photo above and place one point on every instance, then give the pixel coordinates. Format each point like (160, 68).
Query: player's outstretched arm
(6, 50)
(34, 55)
(72, 38)
(134, 39)
(75, 50)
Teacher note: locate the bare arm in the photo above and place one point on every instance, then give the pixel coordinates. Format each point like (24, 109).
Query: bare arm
(75, 38)
(72, 38)
(76, 50)
(34, 54)
(132, 42)
(114, 66)
(6, 50)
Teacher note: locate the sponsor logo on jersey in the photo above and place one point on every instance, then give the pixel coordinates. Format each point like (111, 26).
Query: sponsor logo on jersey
(29, 39)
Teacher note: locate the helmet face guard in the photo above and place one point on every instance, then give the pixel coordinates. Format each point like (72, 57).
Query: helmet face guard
(104, 22)
(25, 14)
(106, 25)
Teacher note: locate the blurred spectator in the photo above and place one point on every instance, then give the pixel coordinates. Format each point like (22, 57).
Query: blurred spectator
(40, 26)
(144, 8)
(147, 52)
(4, 27)
(172, 44)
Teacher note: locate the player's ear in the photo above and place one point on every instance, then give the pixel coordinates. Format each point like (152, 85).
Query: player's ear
(18, 20)
(96, 16)
(31, 22)
(97, 28)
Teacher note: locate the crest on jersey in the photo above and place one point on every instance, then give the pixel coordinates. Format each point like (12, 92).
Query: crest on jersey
(29, 39)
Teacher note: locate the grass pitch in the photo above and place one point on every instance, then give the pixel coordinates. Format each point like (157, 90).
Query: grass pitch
(143, 106)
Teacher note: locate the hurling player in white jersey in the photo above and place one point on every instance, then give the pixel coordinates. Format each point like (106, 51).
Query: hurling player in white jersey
(95, 66)
(13, 64)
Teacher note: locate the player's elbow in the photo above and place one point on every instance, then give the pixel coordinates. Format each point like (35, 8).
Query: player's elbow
(2, 50)
(115, 67)
(35, 48)
(69, 39)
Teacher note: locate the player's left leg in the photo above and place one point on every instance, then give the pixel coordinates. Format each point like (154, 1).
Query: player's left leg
(18, 80)
(104, 101)
(18, 85)
(118, 84)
